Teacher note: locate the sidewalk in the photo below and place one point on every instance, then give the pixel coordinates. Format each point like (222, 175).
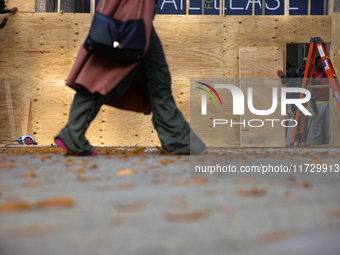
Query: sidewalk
(148, 203)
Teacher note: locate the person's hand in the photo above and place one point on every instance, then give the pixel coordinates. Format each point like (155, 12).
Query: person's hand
(324, 72)
(14, 10)
(4, 21)
(280, 73)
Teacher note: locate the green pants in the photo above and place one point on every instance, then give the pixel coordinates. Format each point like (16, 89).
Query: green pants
(173, 130)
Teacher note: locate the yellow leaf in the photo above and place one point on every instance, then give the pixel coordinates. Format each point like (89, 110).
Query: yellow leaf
(29, 175)
(7, 166)
(126, 171)
(14, 206)
(56, 202)
(187, 217)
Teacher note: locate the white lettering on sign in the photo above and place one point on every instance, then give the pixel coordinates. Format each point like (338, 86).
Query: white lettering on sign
(234, 8)
(273, 8)
(218, 7)
(193, 8)
(322, 54)
(174, 4)
(250, 2)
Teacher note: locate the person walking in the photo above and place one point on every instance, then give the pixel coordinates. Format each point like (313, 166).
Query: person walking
(144, 86)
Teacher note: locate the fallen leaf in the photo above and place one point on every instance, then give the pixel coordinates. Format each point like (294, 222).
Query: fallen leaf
(288, 193)
(178, 198)
(245, 181)
(118, 220)
(14, 205)
(158, 181)
(125, 186)
(44, 157)
(165, 161)
(334, 213)
(303, 184)
(138, 150)
(127, 208)
(69, 162)
(49, 181)
(103, 188)
(87, 178)
(273, 237)
(198, 181)
(244, 161)
(29, 175)
(225, 209)
(180, 183)
(56, 202)
(211, 193)
(79, 171)
(32, 184)
(81, 163)
(315, 161)
(4, 166)
(31, 231)
(187, 217)
(253, 192)
(5, 188)
(126, 171)
(277, 181)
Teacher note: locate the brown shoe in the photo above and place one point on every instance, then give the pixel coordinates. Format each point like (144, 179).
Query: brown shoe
(304, 144)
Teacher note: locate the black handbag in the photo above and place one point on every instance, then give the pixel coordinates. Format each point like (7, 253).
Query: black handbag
(121, 41)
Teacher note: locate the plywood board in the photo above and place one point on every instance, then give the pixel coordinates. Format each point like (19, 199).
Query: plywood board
(257, 65)
(334, 138)
(195, 47)
(23, 5)
(10, 109)
(272, 31)
(218, 135)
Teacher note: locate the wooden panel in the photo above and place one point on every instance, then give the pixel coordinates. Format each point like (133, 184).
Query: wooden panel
(42, 54)
(286, 7)
(264, 31)
(335, 58)
(23, 5)
(10, 109)
(257, 63)
(222, 135)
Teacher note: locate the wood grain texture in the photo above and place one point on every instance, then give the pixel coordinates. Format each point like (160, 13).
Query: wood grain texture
(334, 138)
(23, 5)
(41, 56)
(286, 7)
(26, 116)
(10, 109)
(257, 63)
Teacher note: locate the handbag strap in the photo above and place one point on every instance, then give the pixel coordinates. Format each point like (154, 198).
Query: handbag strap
(139, 11)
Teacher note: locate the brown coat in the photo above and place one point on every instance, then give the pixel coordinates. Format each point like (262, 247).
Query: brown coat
(101, 75)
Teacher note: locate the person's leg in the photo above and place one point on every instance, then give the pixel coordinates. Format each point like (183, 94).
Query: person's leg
(327, 123)
(84, 109)
(305, 131)
(317, 123)
(173, 130)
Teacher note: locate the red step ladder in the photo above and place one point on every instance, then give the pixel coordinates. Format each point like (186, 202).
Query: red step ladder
(316, 44)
